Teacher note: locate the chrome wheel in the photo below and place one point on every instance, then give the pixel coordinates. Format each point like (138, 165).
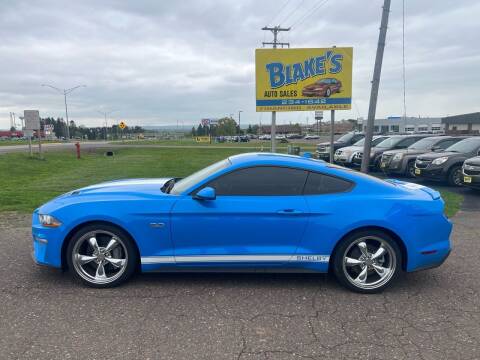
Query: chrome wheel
(369, 262)
(457, 177)
(100, 257)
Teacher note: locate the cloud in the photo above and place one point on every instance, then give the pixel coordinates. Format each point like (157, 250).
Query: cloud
(156, 62)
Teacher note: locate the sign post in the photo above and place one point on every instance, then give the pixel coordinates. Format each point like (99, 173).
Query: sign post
(32, 124)
(122, 126)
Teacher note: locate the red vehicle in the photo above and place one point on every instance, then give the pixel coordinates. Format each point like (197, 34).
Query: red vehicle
(322, 88)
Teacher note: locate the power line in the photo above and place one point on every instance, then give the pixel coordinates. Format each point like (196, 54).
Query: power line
(279, 11)
(309, 13)
(292, 12)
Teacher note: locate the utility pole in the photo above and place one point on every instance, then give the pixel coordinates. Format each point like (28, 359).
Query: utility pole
(239, 128)
(275, 30)
(105, 113)
(332, 134)
(65, 92)
(375, 85)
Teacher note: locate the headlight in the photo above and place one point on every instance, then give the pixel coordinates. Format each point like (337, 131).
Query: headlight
(440, 160)
(48, 221)
(398, 157)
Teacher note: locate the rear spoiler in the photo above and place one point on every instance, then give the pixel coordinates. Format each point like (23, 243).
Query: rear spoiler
(412, 186)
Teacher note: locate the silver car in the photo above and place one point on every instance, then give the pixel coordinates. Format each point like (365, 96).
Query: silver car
(344, 156)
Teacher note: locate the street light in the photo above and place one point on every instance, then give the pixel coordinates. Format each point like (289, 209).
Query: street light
(239, 111)
(65, 92)
(105, 113)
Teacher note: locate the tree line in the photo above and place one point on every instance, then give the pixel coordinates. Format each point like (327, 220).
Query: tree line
(225, 127)
(90, 133)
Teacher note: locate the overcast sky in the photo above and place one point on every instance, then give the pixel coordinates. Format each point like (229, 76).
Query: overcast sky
(159, 62)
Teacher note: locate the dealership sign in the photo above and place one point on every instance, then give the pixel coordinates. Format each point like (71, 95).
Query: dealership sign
(304, 79)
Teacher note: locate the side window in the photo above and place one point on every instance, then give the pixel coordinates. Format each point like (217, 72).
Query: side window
(261, 181)
(446, 143)
(357, 138)
(407, 142)
(318, 184)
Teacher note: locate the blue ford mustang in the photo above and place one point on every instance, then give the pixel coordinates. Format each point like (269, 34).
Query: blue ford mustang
(252, 211)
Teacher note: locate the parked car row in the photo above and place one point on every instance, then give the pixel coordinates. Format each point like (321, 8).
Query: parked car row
(454, 159)
(289, 136)
(236, 138)
(458, 164)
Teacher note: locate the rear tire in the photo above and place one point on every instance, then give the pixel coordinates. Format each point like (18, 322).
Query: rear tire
(101, 256)
(410, 169)
(328, 92)
(455, 176)
(367, 261)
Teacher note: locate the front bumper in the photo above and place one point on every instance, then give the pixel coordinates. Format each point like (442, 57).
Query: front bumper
(323, 155)
(47, 244)
(431, 173)
(471, 181)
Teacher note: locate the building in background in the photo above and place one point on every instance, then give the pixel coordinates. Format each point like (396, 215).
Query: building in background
(398, 124)
(462, 124)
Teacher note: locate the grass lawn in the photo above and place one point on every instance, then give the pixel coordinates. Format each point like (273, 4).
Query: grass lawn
(453, 202)
(26, 183)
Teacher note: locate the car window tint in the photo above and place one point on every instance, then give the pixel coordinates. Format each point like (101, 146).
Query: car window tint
(261, 181)
(407, 142)
(445, 144)
(324, 184)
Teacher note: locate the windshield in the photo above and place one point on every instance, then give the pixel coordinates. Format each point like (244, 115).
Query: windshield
(424, 144)
(374, 141)
(390, 142)
(345, 138)
(465, 146)
(197, 177)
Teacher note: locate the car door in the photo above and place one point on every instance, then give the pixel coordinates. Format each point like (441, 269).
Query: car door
(258, 217)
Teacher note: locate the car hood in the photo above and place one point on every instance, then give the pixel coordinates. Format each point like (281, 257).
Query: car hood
(473, 161)
(327, 143)
(436, 155)
(115, 187)
(313, 86)
(352, 148)
(405, 152)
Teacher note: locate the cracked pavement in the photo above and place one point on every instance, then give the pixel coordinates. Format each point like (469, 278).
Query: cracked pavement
(433, 314)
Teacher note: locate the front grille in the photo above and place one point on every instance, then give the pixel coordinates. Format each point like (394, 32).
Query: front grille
(322, 149)
(471, 170)
(422, 164)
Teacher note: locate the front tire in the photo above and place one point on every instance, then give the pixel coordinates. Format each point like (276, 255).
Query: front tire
(367, 261)
(411, 169)
(101, 256)
(328, 92)
(455, 176)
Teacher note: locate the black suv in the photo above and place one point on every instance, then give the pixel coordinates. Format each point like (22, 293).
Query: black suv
(402, 161)
(447, 165)
(471, 172)
(323, 149)
(392, 143)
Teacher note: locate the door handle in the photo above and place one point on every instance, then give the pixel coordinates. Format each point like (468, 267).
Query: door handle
(289, 212)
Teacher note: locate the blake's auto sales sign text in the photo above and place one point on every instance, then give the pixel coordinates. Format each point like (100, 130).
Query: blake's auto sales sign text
(304, 79)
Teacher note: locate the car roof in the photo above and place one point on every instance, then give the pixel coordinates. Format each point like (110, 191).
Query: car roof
(274, 159)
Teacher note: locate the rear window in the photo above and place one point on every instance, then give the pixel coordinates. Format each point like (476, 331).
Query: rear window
(318, 184)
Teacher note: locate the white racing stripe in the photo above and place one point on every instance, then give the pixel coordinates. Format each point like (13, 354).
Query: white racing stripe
(234, 258)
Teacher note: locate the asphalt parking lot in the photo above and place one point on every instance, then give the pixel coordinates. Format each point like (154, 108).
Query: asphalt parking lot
(432, 314)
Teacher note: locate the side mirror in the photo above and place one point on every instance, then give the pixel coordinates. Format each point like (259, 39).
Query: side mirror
(436, 148)
(207, 193)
